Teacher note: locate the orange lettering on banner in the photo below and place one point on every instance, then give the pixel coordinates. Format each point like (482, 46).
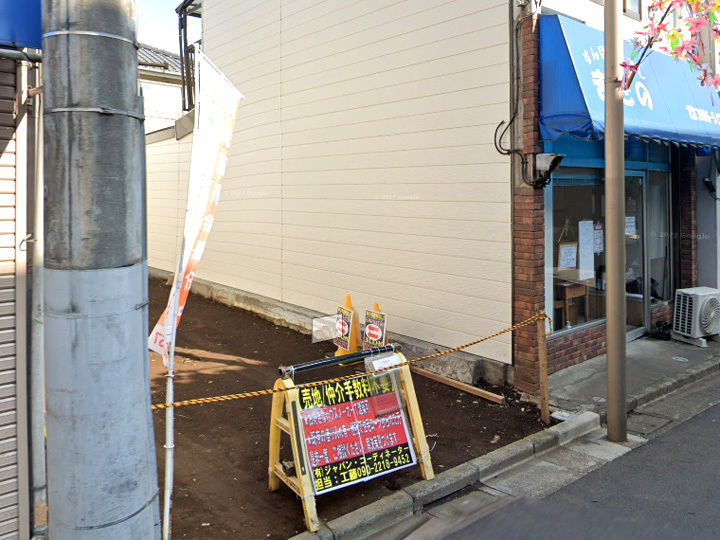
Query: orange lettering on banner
(224, 106)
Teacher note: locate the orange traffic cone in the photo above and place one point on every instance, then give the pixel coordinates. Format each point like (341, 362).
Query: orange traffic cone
(354, 330)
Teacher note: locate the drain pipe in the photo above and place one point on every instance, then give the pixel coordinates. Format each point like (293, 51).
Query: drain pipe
(37, 357)
(20, 55)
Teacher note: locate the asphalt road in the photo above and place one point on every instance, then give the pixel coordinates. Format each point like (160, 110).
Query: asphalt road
(667, 489)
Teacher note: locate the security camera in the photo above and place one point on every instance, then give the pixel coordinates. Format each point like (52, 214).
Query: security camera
(545, 164)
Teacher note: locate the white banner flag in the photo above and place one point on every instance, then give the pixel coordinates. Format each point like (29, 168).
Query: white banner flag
(216, 104)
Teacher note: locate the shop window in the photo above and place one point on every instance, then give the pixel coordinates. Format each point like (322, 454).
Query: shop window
(575, 251)
(575, 278)
(659, 238)
(631, 8)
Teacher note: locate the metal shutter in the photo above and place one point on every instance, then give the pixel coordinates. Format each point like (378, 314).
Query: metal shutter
(14, 513)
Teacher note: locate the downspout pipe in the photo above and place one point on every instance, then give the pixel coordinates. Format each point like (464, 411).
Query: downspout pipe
(37, 358)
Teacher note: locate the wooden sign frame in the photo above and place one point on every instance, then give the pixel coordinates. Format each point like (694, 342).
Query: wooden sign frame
(286, 418)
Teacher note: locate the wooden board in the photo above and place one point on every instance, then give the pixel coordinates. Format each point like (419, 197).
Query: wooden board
(496, 398)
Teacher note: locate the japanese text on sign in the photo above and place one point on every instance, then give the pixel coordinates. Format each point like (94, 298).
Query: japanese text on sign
(375, 324)
(354, 430)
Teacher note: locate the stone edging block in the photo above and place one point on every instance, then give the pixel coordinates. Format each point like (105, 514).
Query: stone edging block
(372, 518)
(576, 426)
(444, 484)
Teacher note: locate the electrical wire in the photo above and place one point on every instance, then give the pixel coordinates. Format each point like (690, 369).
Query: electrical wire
(497, 140)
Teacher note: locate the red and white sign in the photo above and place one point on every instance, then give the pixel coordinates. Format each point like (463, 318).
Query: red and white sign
(343, 325)
(373, 332)
(375, 325)
(217, 102)
(354, 430)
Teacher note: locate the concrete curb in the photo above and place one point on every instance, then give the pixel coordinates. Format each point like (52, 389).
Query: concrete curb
(663, 388)
(390, 510)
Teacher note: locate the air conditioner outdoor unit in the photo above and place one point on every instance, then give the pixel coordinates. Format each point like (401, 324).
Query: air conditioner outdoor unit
(696, 315)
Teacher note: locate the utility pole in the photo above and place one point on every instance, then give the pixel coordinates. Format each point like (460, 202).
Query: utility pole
(102, 478)
(615, 225)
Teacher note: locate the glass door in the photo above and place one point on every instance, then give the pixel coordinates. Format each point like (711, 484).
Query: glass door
(636, 297)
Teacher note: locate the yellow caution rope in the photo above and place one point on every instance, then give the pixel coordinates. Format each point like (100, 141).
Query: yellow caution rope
(270, 391)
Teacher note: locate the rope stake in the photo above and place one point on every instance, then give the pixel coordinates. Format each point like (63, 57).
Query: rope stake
(269, 391)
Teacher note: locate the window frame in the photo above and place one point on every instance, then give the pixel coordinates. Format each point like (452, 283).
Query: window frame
(631, 14)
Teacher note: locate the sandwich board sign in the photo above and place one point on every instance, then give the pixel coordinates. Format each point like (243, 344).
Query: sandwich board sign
(346, 431)
(375, 325)
(354, 430)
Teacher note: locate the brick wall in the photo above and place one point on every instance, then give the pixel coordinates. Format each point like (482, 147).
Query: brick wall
(688, 221)
(662, 313)
(528, 225)
(530, 65)
(565, 350)
(574, 347)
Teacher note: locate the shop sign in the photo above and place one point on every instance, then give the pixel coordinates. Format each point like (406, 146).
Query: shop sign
(343, 324)
(353, 431)
(375, 324)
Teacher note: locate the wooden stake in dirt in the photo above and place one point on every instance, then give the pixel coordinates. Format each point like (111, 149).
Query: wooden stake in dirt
(495, 398)
(542, 364)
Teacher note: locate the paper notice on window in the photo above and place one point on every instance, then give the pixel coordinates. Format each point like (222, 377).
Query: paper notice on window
(599, 238)
(568, 255)
(630, 225)
(586, 255)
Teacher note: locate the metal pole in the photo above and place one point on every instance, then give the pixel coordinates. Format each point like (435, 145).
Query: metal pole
(37, 358)
(170, 395)
(615, 225)
(100, 448)
(289, 371)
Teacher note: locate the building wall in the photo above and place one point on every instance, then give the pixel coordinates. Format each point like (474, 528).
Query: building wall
(569, 348)
(163, 104)
(168, 170)
(363, 161)
(592, 13)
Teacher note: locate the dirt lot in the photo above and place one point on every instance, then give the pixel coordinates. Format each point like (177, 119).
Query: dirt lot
(221, 450)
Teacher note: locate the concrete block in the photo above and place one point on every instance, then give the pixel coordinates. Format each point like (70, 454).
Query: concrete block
(574, 461)
(444, 484)
(503, 458)
(461, 507)
(576, 426)
(536, 479)
(365, 521)
(543, 440)
(307, 535)
(599, 447)
(323, 534)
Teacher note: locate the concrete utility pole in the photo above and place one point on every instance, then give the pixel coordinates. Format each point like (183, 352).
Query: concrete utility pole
(102, 480)
(615, 225)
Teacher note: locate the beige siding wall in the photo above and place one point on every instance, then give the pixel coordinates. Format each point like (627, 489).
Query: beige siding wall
(363, 161)
(168, 170)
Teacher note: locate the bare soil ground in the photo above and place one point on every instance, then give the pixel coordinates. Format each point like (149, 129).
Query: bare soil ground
(221, 449)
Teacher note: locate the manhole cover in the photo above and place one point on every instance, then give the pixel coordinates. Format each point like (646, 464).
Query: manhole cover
(680, 359)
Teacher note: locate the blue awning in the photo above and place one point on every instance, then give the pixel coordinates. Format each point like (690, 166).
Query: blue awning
(665, 102)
